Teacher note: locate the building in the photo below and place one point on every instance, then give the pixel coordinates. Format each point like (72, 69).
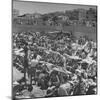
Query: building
(27, 19)
(37, 15)
(82, 14)
(63, 18)
(28, 16)
(92, 14)
(15, 13)
(31, 16)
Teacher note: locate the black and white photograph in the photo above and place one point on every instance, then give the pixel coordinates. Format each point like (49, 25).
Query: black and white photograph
(54, 50)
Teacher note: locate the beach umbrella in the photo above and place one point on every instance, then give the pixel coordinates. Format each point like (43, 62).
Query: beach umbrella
(34, 62)
(60, 70)
(17, 75)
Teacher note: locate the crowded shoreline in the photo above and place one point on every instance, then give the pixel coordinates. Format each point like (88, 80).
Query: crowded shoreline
(50, 67)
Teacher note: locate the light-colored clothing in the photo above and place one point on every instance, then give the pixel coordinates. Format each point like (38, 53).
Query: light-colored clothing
(64, 89)
(17, 75)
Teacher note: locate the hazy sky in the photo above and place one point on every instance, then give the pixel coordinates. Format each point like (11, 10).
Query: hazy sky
(31, 7)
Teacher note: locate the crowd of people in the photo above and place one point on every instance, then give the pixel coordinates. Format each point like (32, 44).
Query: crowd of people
(54, 65)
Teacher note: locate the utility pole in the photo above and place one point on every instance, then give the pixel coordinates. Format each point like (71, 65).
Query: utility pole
(25, 61)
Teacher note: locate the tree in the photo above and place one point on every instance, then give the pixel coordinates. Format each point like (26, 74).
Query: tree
(45, 18)
(73, 15)
(54, 19)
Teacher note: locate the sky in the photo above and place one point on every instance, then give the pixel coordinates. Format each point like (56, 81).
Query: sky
(32, 7)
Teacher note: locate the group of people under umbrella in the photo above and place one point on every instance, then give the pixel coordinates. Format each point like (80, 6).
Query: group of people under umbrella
(46, 67)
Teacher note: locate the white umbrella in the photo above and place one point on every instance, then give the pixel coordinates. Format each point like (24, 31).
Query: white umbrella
(61, 70)
(88, 60)
(34, 62)
(17, 75)
(15, 83)
(19, 52)
(72, 57)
